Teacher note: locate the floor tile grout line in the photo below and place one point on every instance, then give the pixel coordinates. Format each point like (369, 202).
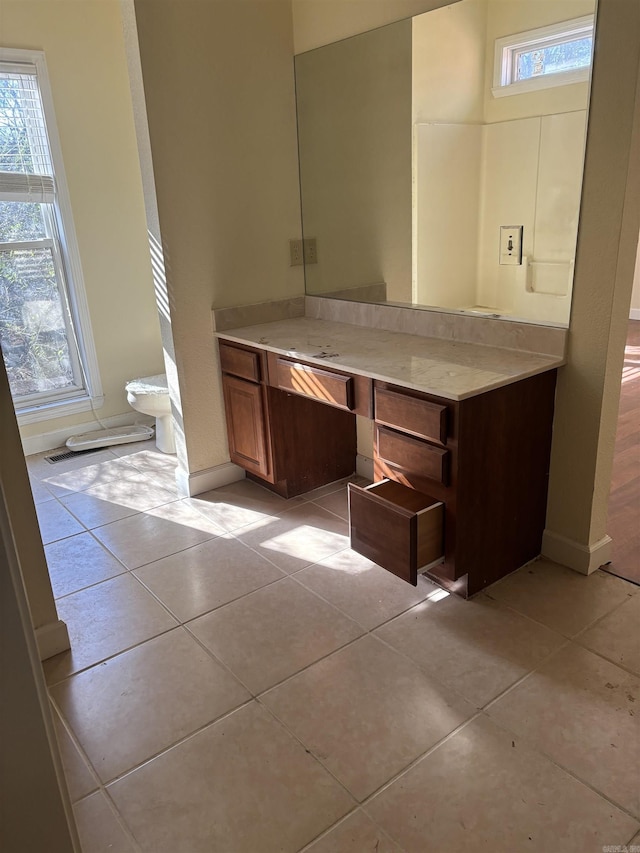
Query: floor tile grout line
(97, 583)
(130, 770)
(255, 592)
(66, 725)
(218, 660)
(344, 612)
(557, 631)
(120, 819)
(370, 634)
(172, 554)
(99, 662)
(425, 672)
(539, 751)
(205, 612)
(126, 772)
(309, 845)
(417, 760)
(533, 671)
(261, 693)
(630, 595)
(58, 598)
(622, 666)
(307, 749)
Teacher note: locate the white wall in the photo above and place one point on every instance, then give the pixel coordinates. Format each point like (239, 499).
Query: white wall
(84, 49)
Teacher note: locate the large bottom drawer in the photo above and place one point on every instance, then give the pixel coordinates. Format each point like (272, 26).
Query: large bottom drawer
(396, 527)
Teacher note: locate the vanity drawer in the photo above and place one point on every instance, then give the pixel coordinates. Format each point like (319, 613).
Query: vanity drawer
(413, 455)
(396, 527)
(417, 416)
(336, 389)
(240, 362)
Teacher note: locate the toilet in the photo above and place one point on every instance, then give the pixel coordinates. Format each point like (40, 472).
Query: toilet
(150, 395)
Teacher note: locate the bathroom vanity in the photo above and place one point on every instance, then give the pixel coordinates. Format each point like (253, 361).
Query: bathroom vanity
(462, 437)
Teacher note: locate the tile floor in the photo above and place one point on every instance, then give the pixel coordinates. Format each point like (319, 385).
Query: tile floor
(241, 682)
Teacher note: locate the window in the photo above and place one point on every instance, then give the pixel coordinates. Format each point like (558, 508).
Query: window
(538, 59)
(44, 324)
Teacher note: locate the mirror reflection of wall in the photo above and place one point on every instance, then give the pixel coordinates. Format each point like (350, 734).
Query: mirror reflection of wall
(412, 157)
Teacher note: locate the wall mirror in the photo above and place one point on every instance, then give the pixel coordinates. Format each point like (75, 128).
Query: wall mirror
(421, 140)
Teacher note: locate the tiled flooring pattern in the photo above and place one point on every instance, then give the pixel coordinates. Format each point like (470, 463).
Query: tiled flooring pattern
(241, 682)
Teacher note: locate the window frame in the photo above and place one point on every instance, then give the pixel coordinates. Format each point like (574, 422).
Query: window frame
(66, 258)
(507, 46)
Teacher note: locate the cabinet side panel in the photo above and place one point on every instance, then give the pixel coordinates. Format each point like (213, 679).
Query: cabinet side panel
(503, 473)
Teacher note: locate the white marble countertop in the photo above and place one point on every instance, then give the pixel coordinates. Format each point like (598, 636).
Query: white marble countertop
(444, 368)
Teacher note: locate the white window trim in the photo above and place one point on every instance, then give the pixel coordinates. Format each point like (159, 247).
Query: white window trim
(507, 45)
(91, 397)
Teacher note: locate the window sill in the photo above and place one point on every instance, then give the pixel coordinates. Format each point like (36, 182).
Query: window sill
(535, 84)
(59, 409)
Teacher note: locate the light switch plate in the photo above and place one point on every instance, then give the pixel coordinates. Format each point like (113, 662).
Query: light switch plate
(511, 244)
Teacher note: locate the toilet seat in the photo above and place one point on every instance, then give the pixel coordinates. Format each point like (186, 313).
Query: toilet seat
(149, 385)
(150, 395)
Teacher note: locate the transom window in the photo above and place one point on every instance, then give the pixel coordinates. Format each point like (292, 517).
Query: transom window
(44, 325)
(549, 56)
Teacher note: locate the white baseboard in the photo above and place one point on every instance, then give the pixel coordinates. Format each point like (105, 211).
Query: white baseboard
(52, 639)
(211, 478)
(634, 314)
(364, 466)
(57, 438)
(582, 558)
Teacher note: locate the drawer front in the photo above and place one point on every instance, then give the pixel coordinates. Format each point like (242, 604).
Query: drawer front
(240, 362)
(336, 389)
(421, 418)
(396, 527)
(413, 455)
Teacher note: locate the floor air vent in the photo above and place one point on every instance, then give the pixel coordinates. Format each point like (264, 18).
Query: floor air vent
(69, 454)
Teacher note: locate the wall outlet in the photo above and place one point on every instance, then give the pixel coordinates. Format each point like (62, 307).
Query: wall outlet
(310, 251)
(296, 254)
(511, 244)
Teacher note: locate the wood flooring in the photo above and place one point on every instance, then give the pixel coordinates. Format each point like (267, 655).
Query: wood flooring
(624, 499)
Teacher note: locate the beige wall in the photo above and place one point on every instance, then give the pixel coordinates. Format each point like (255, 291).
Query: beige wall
(219, 88)
(318, 22)
(354, 127)
(447, 173)
(449, 63)
(84, 49)
(589, 386)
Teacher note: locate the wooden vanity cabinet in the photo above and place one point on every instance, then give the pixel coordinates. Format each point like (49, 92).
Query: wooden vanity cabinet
(286, 441)
(460, 486)
(487, 460)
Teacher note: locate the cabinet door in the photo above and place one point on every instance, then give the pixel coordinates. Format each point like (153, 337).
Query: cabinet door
(246, 425)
